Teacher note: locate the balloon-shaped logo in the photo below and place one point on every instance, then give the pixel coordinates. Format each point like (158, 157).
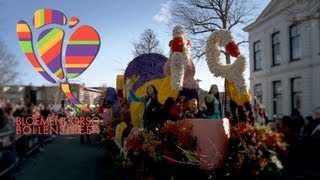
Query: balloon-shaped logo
(55, 66)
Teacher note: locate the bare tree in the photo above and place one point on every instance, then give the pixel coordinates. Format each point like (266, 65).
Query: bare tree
(303, 10)
(202, 17)
(8, 65)
(148, 43)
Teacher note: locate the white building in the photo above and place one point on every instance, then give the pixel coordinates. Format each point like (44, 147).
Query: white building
(285, 59)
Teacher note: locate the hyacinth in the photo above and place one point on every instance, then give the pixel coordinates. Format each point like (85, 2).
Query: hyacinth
(232, 72)
(147, 67)
(178, 65)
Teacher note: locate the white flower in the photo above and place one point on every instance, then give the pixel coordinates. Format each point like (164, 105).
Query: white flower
(232, 72)
(277, 162)
(178, 60)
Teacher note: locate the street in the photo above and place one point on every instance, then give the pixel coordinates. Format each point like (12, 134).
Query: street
(65, 158)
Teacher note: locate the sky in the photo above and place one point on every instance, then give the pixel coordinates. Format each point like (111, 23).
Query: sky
(118, 24)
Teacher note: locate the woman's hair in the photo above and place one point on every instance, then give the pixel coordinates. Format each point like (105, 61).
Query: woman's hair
(155, 91)
(180, 99)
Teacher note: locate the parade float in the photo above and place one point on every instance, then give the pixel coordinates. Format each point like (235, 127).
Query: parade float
(192, 146)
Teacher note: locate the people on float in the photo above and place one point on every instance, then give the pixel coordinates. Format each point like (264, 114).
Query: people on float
(192, 111)
(178, 108)
(166, 109)
(212, 101)
(152, 107)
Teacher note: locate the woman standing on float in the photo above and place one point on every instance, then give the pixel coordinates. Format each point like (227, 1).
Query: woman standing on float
(213, 104)
(152, 107)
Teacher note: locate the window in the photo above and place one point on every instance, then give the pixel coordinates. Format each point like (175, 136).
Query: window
(295, 43)
(258, 92)
(296, 92)
(276, 58)
(257, 56)
(277, 100)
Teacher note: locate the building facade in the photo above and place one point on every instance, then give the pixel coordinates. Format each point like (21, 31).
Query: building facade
(285, 60)
(50, 95)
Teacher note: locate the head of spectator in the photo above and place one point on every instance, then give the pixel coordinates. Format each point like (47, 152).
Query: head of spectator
(317, 112)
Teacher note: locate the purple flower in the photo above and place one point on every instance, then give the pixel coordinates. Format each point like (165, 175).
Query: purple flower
(147, 67)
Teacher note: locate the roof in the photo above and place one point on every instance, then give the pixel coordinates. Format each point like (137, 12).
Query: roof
(273, 8)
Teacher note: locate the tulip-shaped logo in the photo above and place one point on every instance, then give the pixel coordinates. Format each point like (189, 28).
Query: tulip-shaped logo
(81, 49)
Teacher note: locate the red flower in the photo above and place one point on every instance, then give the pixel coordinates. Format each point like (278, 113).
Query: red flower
(233, 49)
(176, 44)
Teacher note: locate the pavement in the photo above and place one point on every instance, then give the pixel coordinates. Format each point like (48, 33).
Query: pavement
(65, 158)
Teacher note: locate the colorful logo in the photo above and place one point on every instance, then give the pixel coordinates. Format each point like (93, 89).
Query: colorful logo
(81, 49)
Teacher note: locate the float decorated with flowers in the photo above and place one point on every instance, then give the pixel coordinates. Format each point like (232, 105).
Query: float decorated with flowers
(162, 91)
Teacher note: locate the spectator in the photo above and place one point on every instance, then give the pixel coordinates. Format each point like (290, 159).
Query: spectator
(35, 114)
(298, 121)
(308, 126)
(4, 124)
(261, 115)
(317, 115)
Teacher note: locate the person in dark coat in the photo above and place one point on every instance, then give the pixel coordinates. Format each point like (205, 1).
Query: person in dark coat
(152, 107)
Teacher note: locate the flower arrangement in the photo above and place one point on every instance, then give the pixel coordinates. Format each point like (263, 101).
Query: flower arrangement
(142, 141)
(173, 142)
(256, 150)
(178, 143)
(181, 132)
(233, 72)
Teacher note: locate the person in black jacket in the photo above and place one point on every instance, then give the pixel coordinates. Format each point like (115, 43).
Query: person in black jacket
(152, 107)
